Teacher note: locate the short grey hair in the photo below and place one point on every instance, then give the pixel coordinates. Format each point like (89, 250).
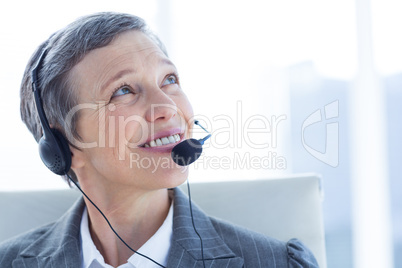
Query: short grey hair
(65, 49)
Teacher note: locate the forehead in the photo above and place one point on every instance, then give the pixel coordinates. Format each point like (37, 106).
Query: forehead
(129, 45)
(132, 50)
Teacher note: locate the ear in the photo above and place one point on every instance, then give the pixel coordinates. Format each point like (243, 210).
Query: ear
(77, 158)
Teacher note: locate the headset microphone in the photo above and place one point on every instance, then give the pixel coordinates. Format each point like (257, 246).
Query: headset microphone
(186, 152)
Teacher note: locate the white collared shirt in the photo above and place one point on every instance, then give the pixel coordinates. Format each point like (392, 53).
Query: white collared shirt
(157, 247)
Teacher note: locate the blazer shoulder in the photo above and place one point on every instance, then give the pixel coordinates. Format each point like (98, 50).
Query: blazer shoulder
(53, 240)
(11, 248)
(233, 235)
(258, 249)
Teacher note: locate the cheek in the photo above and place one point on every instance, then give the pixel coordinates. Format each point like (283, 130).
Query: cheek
(185, 109)
(186, 112)
(126, 131)
(89, 131)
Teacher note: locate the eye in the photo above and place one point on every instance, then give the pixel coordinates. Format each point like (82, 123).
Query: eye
(171, 79)
(121, 91)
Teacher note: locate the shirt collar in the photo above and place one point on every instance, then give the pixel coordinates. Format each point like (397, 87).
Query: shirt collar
(157, 247)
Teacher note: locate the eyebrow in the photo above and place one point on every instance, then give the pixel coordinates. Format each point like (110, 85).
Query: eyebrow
(167, 61)
(124, 72)
(116, 77)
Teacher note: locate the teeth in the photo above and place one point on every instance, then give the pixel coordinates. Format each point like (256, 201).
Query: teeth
(163, 141)
(158, 142)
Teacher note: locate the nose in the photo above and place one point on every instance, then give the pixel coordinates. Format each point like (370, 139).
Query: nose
(161, 107)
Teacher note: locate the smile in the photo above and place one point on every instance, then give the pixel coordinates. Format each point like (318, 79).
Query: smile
(163, 141)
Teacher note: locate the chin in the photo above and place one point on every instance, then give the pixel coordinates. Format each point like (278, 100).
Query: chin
(165, 178)
(174, 178)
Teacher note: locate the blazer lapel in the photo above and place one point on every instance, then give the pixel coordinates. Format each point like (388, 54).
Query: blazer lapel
(186, 247)
(58, 245)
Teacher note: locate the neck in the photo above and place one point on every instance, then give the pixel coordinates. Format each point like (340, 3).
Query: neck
(135, 215)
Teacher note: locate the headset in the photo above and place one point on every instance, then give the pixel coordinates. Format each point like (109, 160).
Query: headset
(55, 153)
(53, 146)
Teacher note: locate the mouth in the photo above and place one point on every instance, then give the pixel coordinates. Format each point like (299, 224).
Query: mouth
(171, 139)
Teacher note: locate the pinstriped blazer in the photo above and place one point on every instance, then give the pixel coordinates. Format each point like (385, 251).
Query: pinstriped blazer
(58, 244)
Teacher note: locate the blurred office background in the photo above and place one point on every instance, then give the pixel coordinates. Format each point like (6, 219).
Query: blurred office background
(317, 84)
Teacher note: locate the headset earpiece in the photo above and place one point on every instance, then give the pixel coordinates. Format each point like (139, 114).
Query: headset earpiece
(55, 152)
(53, 147)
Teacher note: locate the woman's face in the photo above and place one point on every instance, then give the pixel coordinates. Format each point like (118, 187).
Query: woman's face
(132, 113)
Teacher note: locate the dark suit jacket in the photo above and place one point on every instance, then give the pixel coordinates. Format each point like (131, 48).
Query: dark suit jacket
(58, 244)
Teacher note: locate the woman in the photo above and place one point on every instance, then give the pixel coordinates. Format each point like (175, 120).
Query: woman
(106, 83)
